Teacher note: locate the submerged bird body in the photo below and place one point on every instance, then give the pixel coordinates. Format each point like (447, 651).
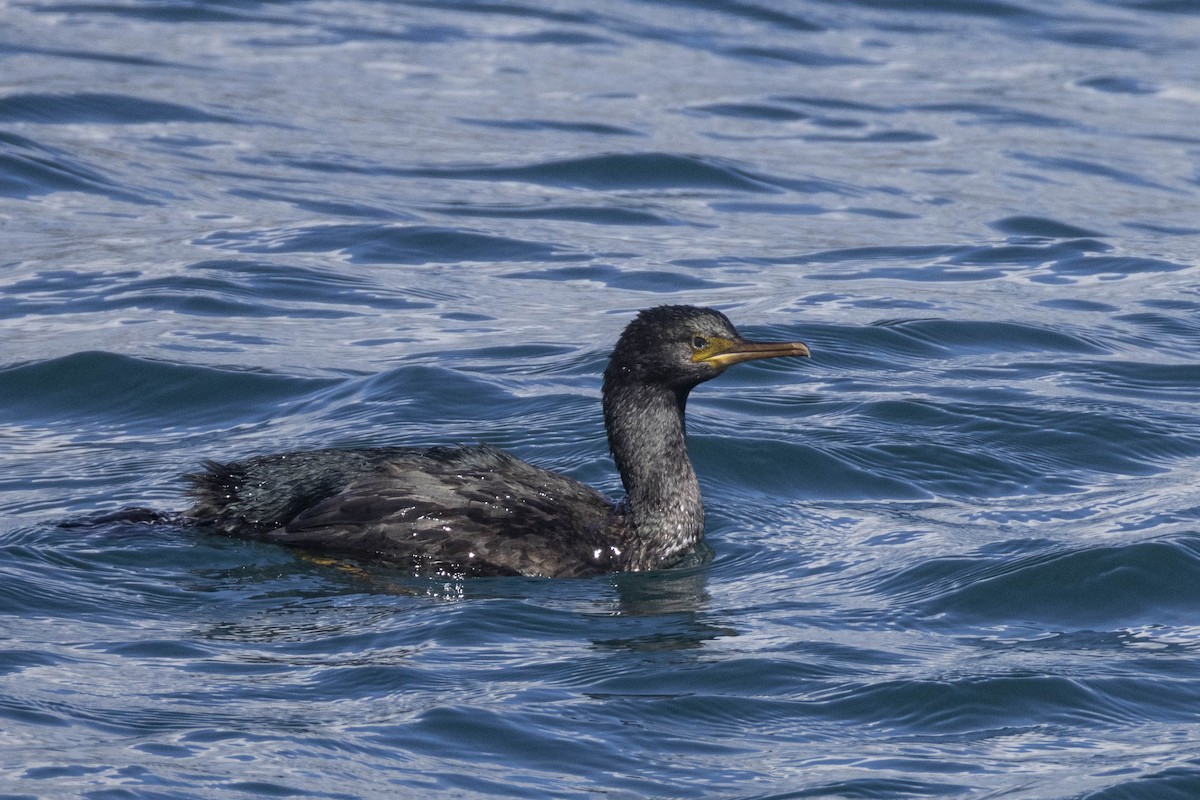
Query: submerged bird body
(482, 511)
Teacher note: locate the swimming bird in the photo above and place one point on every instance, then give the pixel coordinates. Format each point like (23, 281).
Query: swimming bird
(477, 510)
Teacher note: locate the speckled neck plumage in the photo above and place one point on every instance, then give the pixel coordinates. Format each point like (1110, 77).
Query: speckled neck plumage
(646, 434)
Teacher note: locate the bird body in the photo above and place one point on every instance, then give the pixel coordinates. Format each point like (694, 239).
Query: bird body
(466, 510)
(481, 511)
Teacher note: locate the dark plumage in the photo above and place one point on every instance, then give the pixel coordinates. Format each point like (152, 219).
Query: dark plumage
(482, 511)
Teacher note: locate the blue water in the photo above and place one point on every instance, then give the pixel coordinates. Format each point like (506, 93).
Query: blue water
(956, 553)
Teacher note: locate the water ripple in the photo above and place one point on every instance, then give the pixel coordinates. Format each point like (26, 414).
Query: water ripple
(96, 107)
(952, 554)
(28, 168)
(388, 244)
(617, 171)
(1109, 587)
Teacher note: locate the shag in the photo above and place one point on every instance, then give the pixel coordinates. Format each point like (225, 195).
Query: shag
(471, 511)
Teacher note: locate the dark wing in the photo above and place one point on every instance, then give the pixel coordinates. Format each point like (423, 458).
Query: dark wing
(244, 498)
(462, 511)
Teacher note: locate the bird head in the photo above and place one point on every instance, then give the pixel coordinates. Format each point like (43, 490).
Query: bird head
(679, 347)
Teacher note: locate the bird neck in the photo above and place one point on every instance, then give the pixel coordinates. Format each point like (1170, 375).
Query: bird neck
(647, 437)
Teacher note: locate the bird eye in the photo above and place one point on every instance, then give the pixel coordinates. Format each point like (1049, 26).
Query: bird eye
(699, 343)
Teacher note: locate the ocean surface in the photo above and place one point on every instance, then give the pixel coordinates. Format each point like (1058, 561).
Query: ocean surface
(956, 554)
